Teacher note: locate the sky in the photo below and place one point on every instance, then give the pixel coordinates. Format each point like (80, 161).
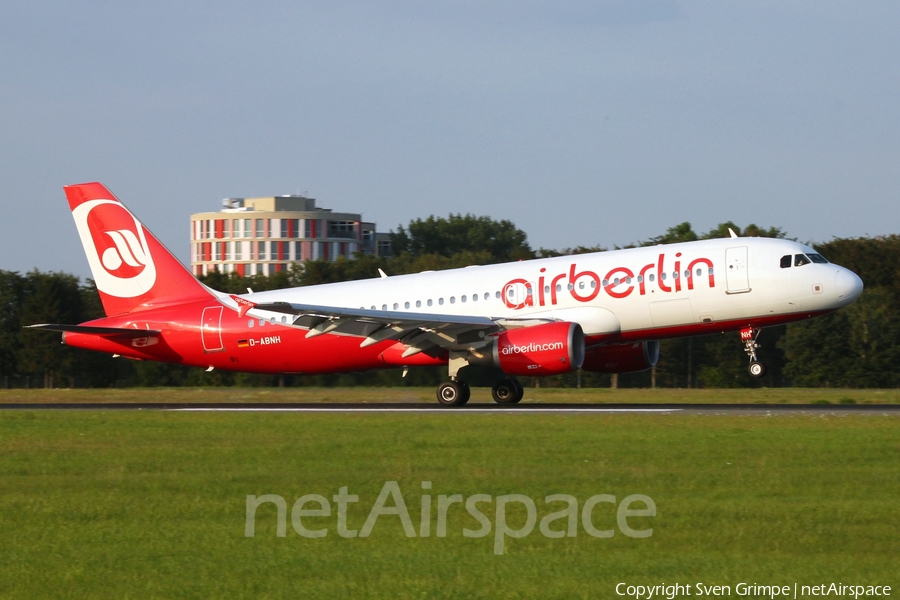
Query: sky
(583, 122)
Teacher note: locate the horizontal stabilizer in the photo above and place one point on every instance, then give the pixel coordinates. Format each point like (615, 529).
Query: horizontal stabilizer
(102, 331)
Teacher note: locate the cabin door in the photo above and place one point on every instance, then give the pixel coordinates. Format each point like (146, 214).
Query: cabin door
(736, 277)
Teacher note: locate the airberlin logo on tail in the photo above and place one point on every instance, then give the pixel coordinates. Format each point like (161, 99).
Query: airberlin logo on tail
(116, 248)
(128, 250)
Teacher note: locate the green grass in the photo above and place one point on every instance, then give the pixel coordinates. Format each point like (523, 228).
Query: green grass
(479, 395)
(152, 504)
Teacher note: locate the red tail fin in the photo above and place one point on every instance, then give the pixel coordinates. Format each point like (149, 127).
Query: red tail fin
(132, 269)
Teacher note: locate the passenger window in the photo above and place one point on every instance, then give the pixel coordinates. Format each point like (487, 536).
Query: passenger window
(800, 260)
(786, 261)
(440, 301)
(474, 297)
(497, 295)
(464, 297)
(384, 307)
(452, 299)
(396, 306)
(418, 304)
(487, 296)
(406, 305)
(429, 302)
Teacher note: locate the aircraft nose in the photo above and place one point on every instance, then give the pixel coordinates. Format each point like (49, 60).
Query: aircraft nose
(848, 285)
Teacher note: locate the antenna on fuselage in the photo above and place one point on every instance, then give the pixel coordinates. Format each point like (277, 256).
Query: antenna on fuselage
(382, 273)
(731, 231)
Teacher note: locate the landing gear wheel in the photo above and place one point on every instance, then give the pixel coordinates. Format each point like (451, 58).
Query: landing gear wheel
(757, 369)
(507, 391)
(749, 335)
(520, 390)
(453, 393)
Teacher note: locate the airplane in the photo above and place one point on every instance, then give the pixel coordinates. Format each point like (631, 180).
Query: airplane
(602, 312)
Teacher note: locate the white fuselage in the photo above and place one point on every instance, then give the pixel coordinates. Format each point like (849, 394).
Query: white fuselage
(649, 289)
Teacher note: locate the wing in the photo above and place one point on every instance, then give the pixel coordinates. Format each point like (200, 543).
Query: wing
(101, 331)
(419, 332)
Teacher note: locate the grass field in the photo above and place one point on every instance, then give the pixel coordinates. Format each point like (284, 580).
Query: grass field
(479, 395)
(152, 504)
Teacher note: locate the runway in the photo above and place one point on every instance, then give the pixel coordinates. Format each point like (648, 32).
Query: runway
(523, 409)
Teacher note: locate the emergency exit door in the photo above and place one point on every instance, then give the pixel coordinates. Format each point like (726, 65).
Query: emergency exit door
(211, 329)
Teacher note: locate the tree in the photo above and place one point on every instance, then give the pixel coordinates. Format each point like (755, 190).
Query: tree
(500, 240)
(48, 298)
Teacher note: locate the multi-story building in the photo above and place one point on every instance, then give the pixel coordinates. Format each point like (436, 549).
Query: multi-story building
(262, 236)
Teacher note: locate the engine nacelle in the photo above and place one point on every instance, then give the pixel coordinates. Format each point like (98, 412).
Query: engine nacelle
(621, 358)
(539, 350)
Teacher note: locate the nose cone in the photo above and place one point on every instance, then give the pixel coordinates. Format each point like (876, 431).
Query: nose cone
(848, 285)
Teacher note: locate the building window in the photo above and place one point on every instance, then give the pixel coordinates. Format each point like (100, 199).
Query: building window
(342, 229)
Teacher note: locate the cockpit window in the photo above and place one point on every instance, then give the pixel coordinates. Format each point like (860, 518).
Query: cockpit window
(818, 259)
(800, 260)
(786, 261)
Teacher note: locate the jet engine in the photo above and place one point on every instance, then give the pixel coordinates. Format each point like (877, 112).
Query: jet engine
(621, 358)
(538, 350)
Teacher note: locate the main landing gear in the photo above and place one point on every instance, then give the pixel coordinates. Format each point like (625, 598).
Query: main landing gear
(749, 335)
(456, 393)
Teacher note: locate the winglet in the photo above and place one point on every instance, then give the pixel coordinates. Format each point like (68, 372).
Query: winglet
(243, 305)
(731, 231)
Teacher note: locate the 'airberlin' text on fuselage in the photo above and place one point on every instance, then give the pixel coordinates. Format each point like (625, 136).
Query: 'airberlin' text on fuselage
(619, 282)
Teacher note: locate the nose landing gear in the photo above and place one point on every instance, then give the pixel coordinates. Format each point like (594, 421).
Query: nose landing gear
(749, 335)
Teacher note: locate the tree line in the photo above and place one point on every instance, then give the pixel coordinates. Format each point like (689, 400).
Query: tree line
(858, 346)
